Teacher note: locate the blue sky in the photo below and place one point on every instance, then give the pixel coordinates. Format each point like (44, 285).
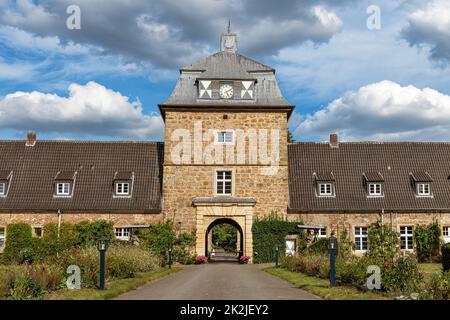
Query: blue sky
(104, 81)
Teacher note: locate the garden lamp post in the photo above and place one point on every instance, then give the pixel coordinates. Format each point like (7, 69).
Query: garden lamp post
(332, 250)
(102, 246)
(276, 256)
(169, 249)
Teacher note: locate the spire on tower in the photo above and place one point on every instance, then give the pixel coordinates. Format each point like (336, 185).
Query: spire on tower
(228, 40)
(229, 26)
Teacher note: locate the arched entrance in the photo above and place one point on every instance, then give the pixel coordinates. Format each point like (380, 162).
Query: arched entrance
(224, 255)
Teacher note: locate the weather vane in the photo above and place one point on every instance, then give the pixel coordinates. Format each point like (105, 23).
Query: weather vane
(229, 27)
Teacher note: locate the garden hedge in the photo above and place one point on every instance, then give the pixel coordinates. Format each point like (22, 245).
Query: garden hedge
(446, 257)
(269, 232)
(19, 245)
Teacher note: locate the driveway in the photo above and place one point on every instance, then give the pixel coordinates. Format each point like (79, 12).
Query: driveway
(219, 281)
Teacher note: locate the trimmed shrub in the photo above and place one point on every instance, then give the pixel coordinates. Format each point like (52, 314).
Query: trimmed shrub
(157, 237)
(427, 241)
(318, 247)
(125, 260)
(89, 232)
(269, 232)
(19, 243)
(446, 257)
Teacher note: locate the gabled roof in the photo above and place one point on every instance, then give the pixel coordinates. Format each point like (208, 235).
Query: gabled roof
(373, 177)
(123, 175)
(421, 176)
(324, 176)
(394, 161)
(95, 164)
(227, 65)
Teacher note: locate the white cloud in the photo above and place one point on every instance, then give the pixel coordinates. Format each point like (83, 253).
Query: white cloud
(89, 109)
(383, 111)
(430, 26)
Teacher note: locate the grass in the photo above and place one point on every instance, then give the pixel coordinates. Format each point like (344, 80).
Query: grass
(428, 269)
(321, 287)
(113, 288)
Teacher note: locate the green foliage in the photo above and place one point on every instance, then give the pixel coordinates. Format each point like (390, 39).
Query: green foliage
(318, 247)
(224, 236)
(36, 281)
(440, 286)
(345, 245)
(427, 241)
(402, 276)
(290, 136)
(269, 232)
(383, 243)
(157, 238)
(19, 243)
(89, 232)
(446, 257)
(50, 245)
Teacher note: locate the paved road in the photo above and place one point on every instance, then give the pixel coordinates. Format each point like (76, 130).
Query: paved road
(219, 281)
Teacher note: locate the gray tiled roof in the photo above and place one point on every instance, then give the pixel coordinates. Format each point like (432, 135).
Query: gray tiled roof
(95, 163)
(393, 161)
(227, 65)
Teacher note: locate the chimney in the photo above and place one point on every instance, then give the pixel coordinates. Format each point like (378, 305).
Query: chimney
(31, 139)
(334, 142)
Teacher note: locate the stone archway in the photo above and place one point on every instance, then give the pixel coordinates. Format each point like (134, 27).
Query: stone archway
(211, 211)
(232, 222)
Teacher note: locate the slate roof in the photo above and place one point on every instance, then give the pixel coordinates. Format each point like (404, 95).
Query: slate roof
(394, 161)
(228, 66)
(34, 170)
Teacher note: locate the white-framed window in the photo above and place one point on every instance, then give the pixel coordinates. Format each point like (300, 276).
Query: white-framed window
(423, 189)
(322, 232)
(122, 188)
(446, 234)
(361, 239)
(325, 189)
(2, 188)
(2, 238)
(224, 183)
(63, 189)
(123, 233)
(225, 137)
(374, 189)
(406, 238)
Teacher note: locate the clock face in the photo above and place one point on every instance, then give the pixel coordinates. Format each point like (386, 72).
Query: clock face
(226, 91)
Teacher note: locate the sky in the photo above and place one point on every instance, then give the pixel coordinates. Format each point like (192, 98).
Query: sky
(96, 69)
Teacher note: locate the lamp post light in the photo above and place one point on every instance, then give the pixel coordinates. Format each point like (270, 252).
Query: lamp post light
(102, 246)
(276, 256)
(169, 249)
(332, 250)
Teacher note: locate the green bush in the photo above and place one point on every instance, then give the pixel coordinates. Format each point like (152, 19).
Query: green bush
(19, 246)
(353, 270)
(383, 243)
(8, 276)
(318, 247)
(89, 232)
(440, 286)
(401, 276)
(157, 238)
(51, 245)
(427, 241)
(345, 245)
(87, 259)
(269, 232)
(446, 257)
(36, 281)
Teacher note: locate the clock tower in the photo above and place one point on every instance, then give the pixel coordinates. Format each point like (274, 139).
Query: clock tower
(225, 147)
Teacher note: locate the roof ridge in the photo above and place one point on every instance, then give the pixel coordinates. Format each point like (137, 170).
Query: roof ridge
(86, 141)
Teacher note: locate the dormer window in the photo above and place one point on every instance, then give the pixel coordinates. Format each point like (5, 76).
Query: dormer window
(422, 183)
(374, 184)
(123, 184)
(324, 184)
(122, 188)
(5, 178)
(63, 189)
(64, 183)
(423, 189)
(325, 189)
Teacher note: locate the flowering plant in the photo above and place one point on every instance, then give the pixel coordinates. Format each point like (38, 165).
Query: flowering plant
(201, 259)
(244, 259)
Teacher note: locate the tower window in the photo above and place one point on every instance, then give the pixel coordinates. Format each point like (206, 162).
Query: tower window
(224, 183)
(225, 137)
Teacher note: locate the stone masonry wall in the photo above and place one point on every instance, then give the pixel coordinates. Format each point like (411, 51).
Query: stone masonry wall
(183, 182)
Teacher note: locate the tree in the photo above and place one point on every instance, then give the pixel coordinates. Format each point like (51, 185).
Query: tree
(224, 236)
(290, 136)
